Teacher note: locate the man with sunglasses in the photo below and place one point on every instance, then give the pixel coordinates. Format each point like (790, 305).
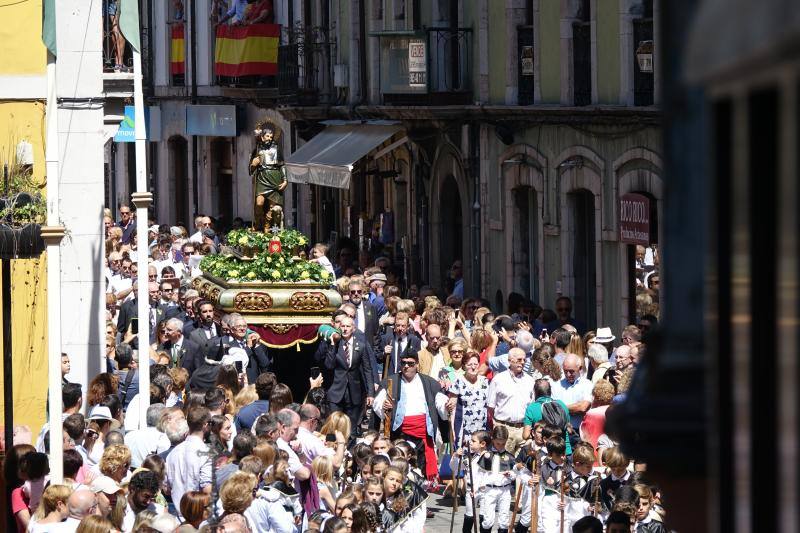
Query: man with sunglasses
(416, 406)
(127, 221)
(563, 310)
(366, 318)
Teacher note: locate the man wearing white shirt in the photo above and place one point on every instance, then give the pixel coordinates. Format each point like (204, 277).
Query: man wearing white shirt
(289, 423)
(186, 469)
(415, 405)
(312, 446)
(148, 440)
(509, 394)
(201, 223)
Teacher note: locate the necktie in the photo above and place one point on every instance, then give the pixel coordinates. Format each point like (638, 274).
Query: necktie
(355, 319)
(347, 353)
(175, 355)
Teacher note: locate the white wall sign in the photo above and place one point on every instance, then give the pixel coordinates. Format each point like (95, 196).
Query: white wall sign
(417, 64)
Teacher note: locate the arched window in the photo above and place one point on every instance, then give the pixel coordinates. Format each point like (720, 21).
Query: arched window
(581, 227)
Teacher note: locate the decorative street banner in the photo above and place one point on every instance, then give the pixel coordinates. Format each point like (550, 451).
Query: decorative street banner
(417, 64)
(634, 219)
(177, 64)
(247, 50)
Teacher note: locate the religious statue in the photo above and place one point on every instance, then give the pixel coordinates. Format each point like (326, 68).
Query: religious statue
(266, 167)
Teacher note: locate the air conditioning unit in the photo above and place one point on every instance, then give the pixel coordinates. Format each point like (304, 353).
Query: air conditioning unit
(340, 75)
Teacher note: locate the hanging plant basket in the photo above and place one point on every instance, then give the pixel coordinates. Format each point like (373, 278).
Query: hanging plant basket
(21, 242)
(21, 215)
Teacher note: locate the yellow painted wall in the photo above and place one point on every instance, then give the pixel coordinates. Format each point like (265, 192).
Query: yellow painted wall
(26, 120)
(21, 48)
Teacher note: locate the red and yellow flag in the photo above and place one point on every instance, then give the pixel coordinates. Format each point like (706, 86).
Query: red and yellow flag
(247, 50)
(177, 63)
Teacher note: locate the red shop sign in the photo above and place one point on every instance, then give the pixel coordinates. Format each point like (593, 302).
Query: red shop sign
(634, 219)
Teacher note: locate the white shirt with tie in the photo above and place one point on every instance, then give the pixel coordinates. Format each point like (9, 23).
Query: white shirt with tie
(360, 321)
(399, 347)
(348, 354)
(210, 332)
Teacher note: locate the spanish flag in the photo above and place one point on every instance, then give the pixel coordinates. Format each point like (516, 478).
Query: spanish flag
(177, 63)
(247, 50)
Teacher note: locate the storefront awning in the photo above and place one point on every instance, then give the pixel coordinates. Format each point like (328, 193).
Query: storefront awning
(328, 158)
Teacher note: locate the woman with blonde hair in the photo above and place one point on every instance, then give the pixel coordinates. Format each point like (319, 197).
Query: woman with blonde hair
(52, 508)
(337, 421)
(115, 462)
(95, 524)
(343, 286)
(576, 345)
(322, 466)
(457, 349)
(245, 397)
(236, 493)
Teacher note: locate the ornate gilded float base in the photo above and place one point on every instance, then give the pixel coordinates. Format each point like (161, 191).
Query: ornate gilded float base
(276, 304)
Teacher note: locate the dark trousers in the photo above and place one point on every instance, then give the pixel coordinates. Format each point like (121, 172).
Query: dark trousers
(353, 412)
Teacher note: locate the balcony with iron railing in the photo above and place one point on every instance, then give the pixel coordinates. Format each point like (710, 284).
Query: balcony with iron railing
(428, 67)
(117, 56)
(296, 70)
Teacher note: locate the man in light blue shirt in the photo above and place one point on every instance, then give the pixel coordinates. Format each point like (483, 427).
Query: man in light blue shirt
(525, 342)
(574, 390)
(236, 13)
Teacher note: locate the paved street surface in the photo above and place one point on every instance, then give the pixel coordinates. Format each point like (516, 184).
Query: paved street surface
(442, 508)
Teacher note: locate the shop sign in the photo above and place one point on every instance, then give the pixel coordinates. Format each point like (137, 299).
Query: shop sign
(527, 60)
(634, 219)
(417, 64)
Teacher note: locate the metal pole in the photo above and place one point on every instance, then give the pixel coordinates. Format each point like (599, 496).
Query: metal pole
(52, 235)
(8, 394)
(142, 199)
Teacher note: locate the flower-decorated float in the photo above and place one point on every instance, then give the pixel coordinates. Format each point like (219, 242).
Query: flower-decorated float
(265, 277)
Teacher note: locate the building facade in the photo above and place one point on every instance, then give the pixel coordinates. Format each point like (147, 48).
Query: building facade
(519, 127)
(81, 92)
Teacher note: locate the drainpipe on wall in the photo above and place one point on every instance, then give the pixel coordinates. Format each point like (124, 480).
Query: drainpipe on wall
(193, 44)
(474, 166)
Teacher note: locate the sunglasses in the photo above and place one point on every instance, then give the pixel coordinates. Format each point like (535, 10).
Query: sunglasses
(408, 363)
(356, 292)
(167, 290)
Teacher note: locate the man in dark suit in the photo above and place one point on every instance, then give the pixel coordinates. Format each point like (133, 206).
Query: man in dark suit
(205, 326)
(130, 310)
(349, 357)
(416, 407)
(183, 352)
(366, 318)
(396, 343)
(259, 360)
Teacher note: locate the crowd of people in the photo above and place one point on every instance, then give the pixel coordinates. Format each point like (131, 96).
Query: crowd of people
(412, 393)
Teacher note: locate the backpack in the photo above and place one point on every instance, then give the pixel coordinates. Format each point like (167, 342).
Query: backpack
(553, 414)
